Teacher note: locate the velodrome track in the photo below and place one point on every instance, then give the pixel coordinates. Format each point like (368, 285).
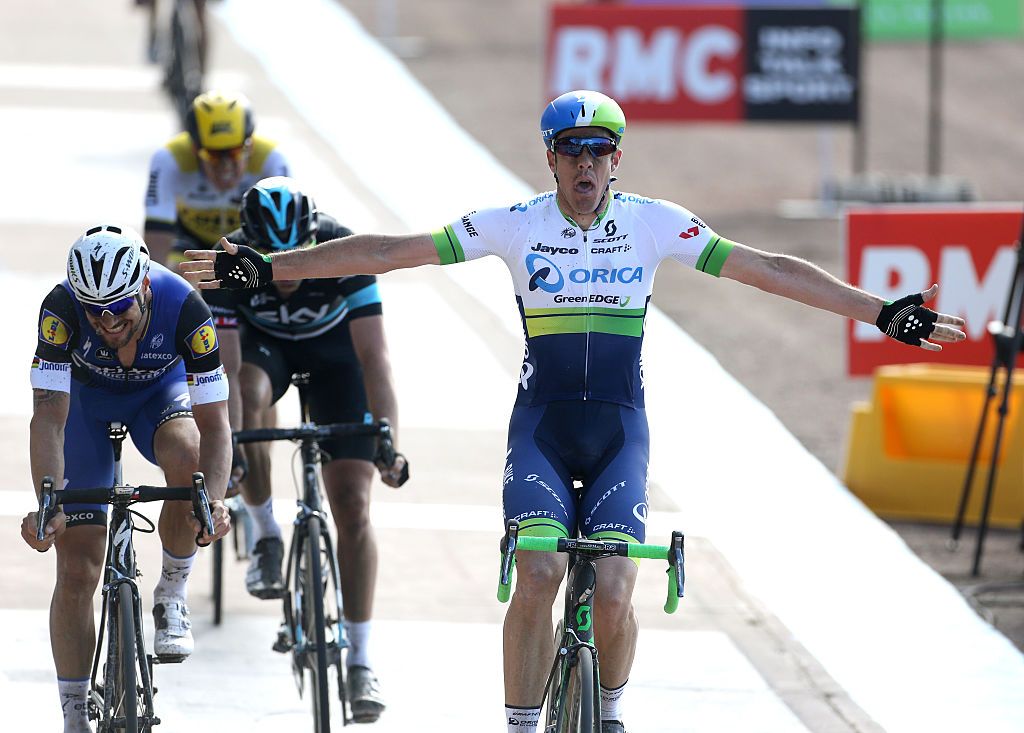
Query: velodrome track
(808, 619)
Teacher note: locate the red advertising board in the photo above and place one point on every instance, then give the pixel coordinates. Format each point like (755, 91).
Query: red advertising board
(715, 62)
(969, 252)
(659, 63)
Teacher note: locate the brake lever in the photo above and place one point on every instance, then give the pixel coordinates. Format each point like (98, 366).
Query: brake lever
(45, 512)
(201, 506)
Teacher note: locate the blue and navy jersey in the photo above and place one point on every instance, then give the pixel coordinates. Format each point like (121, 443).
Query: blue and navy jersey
(583, 293)
(316, 308)
(180, 335)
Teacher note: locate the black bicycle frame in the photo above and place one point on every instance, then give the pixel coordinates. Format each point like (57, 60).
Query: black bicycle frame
(121, 569)
(310, 504)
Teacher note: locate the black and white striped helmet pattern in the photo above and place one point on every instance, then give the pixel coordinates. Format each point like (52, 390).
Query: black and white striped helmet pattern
(106, 263)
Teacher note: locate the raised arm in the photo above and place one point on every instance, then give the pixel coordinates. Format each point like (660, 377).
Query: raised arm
(805, 282)
(360, 254)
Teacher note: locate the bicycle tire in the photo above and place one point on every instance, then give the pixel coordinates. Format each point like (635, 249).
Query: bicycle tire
(218, 583)
(314, 628)
(571, 705)
(589, 720)
(126, 695)
(334, 613)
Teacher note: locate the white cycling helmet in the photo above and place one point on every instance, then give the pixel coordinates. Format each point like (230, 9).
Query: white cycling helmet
(107, 263)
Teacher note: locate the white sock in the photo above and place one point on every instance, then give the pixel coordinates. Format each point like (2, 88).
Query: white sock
(263, 521)
(358, 633)
(611, 702)
(522, 720)
(174, 576)
(74, 695)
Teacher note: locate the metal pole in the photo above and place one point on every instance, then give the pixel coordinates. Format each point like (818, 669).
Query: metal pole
(935, 89)
(859, 131)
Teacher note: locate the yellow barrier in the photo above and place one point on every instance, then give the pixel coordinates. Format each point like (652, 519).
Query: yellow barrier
(908, 448)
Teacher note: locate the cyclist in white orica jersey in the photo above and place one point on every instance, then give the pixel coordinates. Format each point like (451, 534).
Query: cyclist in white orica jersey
(582, 259)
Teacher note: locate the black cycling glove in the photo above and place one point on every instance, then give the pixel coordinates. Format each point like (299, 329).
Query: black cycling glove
(242, 271)
(907, 320)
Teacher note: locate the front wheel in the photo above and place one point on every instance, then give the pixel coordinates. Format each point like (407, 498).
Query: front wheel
(218, 583)
(571, 704)
(126, 691)
(314, 627)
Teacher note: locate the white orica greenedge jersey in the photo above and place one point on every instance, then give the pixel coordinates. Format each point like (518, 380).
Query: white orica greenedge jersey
(583, 295)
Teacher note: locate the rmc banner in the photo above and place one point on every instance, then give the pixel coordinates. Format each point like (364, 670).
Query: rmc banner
(710, 63)
(969, 252)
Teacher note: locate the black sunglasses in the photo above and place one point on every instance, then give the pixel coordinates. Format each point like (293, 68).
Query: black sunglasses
(573, 146)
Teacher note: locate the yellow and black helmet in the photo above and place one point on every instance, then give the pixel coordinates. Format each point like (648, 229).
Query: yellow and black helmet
(220, 121)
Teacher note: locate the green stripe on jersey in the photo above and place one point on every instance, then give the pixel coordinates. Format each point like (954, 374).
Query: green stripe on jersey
(542, 527)
(582, 320)
(714, 256)
(448, 247)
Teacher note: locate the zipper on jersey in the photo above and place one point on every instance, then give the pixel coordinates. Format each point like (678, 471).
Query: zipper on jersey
(586, 353)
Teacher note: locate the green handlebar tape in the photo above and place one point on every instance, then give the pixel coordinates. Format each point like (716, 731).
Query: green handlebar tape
(649, 552)
(672, 598)
(537, 544)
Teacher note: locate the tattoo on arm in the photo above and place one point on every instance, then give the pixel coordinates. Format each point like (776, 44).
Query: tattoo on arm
(42, 396)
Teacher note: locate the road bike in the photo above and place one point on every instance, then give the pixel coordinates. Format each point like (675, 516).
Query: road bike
(572, 693)
(313, 631)
(177, 41)
(121, 684)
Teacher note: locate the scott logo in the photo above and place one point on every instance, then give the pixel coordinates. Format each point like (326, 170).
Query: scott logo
(583, 618)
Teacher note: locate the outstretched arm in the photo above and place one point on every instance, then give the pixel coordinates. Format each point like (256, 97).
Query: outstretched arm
(360, 254)
(805, 282)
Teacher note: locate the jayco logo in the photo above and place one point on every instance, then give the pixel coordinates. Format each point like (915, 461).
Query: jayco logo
(554, 250)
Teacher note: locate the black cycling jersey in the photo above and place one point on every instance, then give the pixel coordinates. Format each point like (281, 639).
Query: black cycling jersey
(314, 309)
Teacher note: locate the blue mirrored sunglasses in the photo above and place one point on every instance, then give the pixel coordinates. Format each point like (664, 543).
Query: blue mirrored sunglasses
(116, 308)
(573, 146)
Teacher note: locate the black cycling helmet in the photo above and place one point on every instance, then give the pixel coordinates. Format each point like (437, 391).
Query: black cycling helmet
(276, 214)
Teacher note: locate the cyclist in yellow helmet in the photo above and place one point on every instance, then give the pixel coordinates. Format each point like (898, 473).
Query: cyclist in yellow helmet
(196, 182)
(197, 179)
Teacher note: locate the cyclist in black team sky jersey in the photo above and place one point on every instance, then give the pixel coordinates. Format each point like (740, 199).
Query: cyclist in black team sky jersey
(582, 259)
(122, 340)
(333, 329)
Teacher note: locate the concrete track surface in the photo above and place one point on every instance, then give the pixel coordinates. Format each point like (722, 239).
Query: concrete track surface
(768, 637)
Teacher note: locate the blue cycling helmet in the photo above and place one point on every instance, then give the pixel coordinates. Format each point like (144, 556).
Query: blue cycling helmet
(276, 214)
(581, 108)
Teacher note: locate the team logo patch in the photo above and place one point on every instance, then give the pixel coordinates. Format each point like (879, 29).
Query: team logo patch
(53, 330)
(204, 339)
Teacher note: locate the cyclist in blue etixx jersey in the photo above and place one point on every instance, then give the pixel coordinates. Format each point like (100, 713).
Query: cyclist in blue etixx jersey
(122, 340)
(334, 330)
(582, 259)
